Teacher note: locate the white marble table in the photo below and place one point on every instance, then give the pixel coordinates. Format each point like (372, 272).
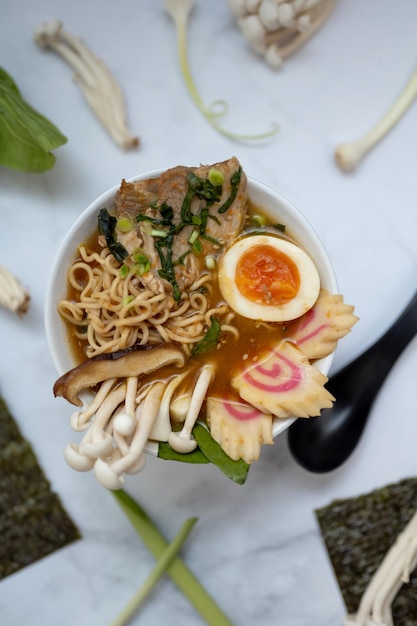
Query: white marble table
(257, 547)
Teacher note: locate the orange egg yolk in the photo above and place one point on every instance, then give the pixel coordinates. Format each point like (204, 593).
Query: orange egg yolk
(267, 276)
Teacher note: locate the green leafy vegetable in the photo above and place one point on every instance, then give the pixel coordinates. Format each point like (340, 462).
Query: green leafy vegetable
(178, 571)
(234, 182)
(208, 451)
(236, 470)
(280, 227)
(26, 136)
(164, 248)
(106, 226)
(210, 339)
(169, 454)
(204, 188)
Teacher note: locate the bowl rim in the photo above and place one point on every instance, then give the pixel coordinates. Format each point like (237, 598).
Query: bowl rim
(299, 227)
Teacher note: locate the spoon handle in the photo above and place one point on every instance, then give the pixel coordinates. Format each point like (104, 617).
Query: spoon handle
(324, 443)
(385, 351)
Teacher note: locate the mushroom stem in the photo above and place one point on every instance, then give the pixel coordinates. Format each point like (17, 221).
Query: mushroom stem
(400, 560)
(162, 426)
(99, 86)
(148, 410)
(12, 294)
(349, 154)
(80, 419)
(97, 442)
(184, 441)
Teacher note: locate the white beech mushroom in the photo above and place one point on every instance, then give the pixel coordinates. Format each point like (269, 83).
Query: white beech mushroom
(401, 559)
(110, 475)
(82, 457)
(80, 420)
(275, 28)
(349, 154)
(99, 86)
(125, 421)
(13, 296)
(183, 441)
(76, 459)
(98, 442)
(162, 426)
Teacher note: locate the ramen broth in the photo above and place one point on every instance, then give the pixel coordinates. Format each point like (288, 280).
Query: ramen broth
(231, 353)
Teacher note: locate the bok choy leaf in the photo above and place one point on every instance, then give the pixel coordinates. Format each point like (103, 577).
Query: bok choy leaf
(26, 136)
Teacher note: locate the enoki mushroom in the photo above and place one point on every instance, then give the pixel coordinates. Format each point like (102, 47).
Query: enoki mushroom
(98, 84)
(394, 571)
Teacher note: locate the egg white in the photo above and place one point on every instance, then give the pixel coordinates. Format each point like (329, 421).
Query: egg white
(303, 301)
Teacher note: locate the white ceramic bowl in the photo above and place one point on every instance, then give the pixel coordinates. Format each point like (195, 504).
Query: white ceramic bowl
(86, 223)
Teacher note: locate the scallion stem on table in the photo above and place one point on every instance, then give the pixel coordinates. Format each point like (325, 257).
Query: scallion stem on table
(178, 571)
(158, 571)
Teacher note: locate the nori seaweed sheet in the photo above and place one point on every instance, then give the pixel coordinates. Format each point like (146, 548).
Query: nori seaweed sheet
(358, 532)
(33, 522)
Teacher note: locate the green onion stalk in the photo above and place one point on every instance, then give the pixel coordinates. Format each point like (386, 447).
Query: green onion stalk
(179, 11)
(169, 562)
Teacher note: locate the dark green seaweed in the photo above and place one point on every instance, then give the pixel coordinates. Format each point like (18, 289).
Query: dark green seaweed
(358, 532)
(33, 522)
(33, 530)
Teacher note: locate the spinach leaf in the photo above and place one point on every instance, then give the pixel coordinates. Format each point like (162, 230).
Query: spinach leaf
(236, 470)
(234, 183)
(208, 451)
(169, 454)
(204, 189)
(26, 136)
(106, 225)
(210, 339)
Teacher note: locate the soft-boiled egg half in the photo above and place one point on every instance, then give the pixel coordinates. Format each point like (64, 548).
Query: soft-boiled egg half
(268, 278)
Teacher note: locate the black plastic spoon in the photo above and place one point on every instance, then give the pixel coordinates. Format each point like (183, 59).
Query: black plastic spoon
(321, 444)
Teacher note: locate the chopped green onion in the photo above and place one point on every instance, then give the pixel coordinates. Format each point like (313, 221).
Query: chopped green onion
(193, 236)
(216, 177)
(210, 262)
(142, 268)
(196, 219)
(258, 220)
(197, 247)
(124, 224)
(124, 271)
(158, 233)
(127, 300)
(140, 257)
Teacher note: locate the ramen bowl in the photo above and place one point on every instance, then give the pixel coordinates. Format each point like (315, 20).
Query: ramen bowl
(260, 195)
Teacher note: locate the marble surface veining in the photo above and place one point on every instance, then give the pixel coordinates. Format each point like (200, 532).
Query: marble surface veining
(256, 547)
